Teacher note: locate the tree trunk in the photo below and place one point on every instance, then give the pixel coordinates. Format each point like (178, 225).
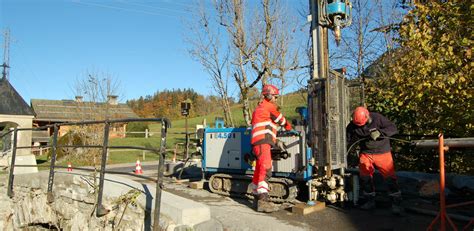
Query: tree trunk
(246, 111)
(227, 113)
(244, 92)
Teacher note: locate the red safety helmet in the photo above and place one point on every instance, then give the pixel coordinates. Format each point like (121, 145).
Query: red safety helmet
(269, 89)
(360, 116)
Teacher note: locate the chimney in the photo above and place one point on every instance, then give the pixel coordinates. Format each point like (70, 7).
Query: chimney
(112, 99)
(78, 99)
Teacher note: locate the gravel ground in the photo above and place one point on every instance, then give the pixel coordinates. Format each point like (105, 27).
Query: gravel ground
(237, 214)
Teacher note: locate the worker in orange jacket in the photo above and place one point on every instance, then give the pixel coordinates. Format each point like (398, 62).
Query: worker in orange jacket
(265, 120)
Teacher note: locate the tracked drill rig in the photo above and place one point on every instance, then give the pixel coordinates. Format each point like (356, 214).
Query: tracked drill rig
(328, 105)
(316, 158)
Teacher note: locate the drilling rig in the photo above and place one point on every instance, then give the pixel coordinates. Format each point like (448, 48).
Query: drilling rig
(316, 158)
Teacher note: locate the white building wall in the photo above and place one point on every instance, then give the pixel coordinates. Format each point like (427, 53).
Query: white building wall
(24, 156)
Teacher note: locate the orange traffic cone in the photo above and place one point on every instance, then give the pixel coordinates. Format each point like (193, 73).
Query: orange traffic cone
(138, 168)
(69, 167)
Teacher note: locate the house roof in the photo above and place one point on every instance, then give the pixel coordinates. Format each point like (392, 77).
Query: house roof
(11, 103)
(73, 111)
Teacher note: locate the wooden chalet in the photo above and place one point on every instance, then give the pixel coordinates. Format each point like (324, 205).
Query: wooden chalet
(62, 111)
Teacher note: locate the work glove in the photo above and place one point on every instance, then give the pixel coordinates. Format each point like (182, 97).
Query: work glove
(374, 133)
(281, 145)
(250, 158)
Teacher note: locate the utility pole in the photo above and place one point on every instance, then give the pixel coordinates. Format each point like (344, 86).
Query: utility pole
(6, 54)
(185, 107)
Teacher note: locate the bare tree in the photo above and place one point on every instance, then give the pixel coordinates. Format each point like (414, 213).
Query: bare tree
(390, 15)
(287, 52)
(207, 49)
(360, 44)
(259, 45)
(95, 89)
(370, 35)
(231, 15)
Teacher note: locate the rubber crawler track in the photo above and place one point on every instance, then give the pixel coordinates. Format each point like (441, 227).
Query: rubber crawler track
(281, 189)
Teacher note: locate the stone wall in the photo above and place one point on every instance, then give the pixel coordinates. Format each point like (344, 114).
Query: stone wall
(74, 204)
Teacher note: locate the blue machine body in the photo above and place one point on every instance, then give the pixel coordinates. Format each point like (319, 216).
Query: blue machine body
(224, 151)
(224, 148)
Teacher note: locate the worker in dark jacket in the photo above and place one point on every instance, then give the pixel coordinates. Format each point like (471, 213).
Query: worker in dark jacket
(372, 130)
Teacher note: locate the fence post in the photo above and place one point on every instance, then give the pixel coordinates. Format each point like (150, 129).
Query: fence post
(159, 180)
(187, 137)
(146, 133)
(50, 197)
(442, 215)
(101, 211)
(12, 164)
(11, 138)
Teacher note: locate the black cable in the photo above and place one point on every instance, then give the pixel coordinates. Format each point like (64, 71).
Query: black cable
(350, 147)
(182, 169)
(185, 162)
(400, 140)
(384, 137)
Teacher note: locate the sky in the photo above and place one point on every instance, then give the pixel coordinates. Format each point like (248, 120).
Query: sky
(140, 43)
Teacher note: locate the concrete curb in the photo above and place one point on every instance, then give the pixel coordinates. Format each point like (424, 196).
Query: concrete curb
(181, 210)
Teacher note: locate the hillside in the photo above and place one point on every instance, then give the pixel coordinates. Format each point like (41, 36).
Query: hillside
(291, 101)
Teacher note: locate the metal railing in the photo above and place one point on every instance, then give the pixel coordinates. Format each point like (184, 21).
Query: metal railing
(100, 210)
(443, 146)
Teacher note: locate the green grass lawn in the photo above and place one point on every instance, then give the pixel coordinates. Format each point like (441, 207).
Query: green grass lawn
(117, 156)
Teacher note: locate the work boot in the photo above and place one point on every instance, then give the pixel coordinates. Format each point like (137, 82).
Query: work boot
(253, 188)
(255, 202)
(397, 209)
(370, 203)
(264, 204)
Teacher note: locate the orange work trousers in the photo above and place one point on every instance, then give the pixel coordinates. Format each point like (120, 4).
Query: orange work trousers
(263, 167)
(384, 163)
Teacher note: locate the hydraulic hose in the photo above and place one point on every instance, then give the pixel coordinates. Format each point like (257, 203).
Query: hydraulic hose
(186, 162)
(366, 138)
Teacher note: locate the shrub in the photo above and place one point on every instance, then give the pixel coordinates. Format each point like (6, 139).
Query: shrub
(136, 127)
(78, 137)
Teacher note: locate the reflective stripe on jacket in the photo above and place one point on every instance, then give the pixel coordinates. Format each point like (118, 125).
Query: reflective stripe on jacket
(265, 121)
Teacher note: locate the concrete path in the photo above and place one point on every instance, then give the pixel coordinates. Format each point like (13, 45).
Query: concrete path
(231, 214)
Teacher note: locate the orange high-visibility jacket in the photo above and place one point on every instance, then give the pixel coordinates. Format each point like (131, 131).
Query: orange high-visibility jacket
(265, 121)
